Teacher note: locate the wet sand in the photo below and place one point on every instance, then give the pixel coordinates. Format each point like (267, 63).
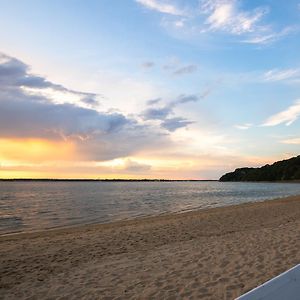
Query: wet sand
(218, 253)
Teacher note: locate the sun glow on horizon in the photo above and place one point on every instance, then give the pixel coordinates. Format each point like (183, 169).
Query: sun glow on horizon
(41, 158)
(34, 150)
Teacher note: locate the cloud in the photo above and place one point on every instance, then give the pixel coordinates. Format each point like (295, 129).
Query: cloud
(157, 113)
(175, 67)
(287, 117)
(160, 113)
(165, 7)
(173, 124)
(134, 166)
(15, 74)
(186, 70)
(179, 23)
(187, 98)
(281, 75)
(148, 65)
(96, 135)
(266, 35)
(163, 113)
(226, 15)
(153, 101)
(244, 126)
(292, 141)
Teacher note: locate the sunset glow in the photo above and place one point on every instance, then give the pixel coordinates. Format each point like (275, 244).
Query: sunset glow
(35, 150)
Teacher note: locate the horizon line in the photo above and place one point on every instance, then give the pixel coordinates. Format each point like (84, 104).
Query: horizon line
(98, 179)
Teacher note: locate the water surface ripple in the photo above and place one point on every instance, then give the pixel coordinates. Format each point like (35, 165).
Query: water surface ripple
(31, 206)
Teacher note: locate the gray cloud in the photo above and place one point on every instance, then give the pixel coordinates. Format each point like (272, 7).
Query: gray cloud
(157, 113)
(97, 135)
(175, 67)
(148, 64)
(185, 70)
(163, 113)
(185, 99)
(14, 73)
(153, 101)
(21, 116)
(173, 124)
(90, 100)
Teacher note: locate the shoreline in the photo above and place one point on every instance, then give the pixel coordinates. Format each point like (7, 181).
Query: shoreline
(215, 253)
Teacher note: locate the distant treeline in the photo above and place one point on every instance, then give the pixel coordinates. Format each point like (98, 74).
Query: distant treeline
(106, 180)
(288, 169)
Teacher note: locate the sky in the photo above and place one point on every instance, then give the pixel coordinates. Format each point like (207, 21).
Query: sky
(182, 89)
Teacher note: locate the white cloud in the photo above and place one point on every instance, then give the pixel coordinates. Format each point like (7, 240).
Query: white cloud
(221, 16)
(162, 7)
(244, 126)
(287, 117)
(225, 15)
(280, 75)
(135, 166)
(261, 39)
(179, 23)
(292, 141)
(268, 36)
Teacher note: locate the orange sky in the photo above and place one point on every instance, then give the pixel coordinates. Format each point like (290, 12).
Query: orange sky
(41, 158)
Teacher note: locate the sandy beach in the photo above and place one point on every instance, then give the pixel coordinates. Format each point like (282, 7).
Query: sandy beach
(218, 253)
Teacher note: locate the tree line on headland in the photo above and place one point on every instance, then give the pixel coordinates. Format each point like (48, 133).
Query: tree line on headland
(288, 169)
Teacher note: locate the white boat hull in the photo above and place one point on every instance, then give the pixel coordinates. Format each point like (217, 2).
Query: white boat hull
(285, 286)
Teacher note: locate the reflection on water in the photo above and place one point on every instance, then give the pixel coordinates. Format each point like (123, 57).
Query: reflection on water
(30, 206)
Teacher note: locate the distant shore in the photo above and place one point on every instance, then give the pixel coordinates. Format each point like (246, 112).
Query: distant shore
(217, 253)
(141, 180)
(105, 180)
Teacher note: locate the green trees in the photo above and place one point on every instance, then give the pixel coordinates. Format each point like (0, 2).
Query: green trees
(282, 170)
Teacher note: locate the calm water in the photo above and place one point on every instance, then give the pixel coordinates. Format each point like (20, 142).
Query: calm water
(30, 206)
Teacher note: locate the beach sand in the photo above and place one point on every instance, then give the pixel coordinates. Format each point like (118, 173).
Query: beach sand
(218, 253)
